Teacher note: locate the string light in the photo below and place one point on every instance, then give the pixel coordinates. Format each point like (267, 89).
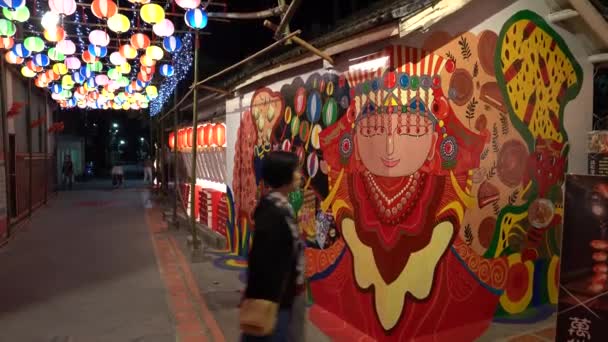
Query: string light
(182, 61)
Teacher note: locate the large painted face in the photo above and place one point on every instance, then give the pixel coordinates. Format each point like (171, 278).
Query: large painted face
(395, 145)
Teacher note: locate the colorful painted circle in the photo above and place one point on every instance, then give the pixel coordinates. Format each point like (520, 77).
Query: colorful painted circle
(315, 139)
(304, 130)
(287, 116)
(330, 112)
(415, 82)
(404, 81)
(346, 146)
(295, 126)
(286, 146)
(449, 149)
(313, 107)
(300, 101)
(312, 165)
(344, 102)
(330, 89)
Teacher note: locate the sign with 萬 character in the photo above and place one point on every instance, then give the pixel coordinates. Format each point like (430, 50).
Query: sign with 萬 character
(583, 294)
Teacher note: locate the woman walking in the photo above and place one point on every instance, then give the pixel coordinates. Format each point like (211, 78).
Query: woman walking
(274, 302)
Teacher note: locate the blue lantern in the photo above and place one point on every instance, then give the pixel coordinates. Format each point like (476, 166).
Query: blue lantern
(142, 84)
(78, 77)
(86, 71)
(172, 43)
(91, 82)
(129, 89)
(41, 60)
(196, 18)
(167, 70)
(56, 88)
(98, 51)
(12, 4)
(20, 50)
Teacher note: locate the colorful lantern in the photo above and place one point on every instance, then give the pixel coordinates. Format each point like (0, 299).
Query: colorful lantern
(56, 88)
(66, 47)
(65, 7)
(51, 75)
(50, 20)
(6, 43)
(87, 57)
(27, 72)
(73, 63)
(219, 135)
(155, 52)
(78, 77)
(97, 51)
(97, 66)
(148, 69)
(56, 55)
(54, 34)
(34, 44)
(152, 13)
(99, 38)
(116, 58)
(188, 4)
(7, 28)
(124, 68)
(172, 140)
(40, 83)
(21, 14)
(147, 61)
(200, 136)
(140, 41)
(119, 23)
(60, 69)
(11, 58)
(128, 52)
(104, 9)
(67, 82)
(102, 80)
(144, 77)
(86, 71)
(151, 91)
(114, 74)
(196, 18)
(33, 66)
(41, 60)
(12, 4)
(20, 51)
(164, 28)
(142, 84)
(167, 70)
(172, 44)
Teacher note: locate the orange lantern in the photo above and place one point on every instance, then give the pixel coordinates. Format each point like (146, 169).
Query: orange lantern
(144, 77)
(189, 137)
(180, 139)
(88, 58)
(219, 135)
(208, 129)
(104, 9)
(200, 135)
(148, 70)
(30, 64)
(171, 140)
(6, 43)
(52, 75)
(140, 41)
(54, 34)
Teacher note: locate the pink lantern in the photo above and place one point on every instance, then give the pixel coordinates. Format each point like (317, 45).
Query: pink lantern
(117, 59)
(66, 7)
(73, 63)
(188, 4)
(66, 47)
(164, 28)
(102, 80)
(99, 38)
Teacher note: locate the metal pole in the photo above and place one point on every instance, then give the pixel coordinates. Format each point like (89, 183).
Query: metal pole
(5, 149)
(196, 244)
(46, 152)
(161, 166)
(28, 122)
(175, 180)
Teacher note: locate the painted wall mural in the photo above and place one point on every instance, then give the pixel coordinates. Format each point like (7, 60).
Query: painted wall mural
(432, 199)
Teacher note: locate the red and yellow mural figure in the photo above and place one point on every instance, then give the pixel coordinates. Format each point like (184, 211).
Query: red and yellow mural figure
(431, 204)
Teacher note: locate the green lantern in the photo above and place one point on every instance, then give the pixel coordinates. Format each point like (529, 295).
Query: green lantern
(114, 75)
(123, 81)
(21, 14)
(56, 55)
(96, 67)
(7, 28)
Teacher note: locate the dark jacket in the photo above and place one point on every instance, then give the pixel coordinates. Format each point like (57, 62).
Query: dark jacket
(272, 261)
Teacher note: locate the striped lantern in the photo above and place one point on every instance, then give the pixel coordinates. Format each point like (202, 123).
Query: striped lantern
(196, 18)
(99, 38)
(56, 55)
(87, 57)
(7, 28)
(188, 4)
(20, 51)
(167, 70)
(104, 9)
(86, 71)
(33, 66)
(219, 135)
(117, 59)
(6, 43)
(21, 14)
(152, 13)
(27, 72)
(172, 44)
(67, 82)
(66, 47)
(119, 23)
(73, 63)
(164, 28)
(128, 52)
(65, 7)
(34, 44)
(155, 52)
(41, 60)
(78, 77)
(140, 41)
(55, 34)
(51, 75)
(60, 69)
(147, 61)
(148, 70)
(11, 4)
(98, 51)
(56, 88)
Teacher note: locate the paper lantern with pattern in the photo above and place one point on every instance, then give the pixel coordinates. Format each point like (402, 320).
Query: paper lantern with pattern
(55, 55)
(196, 18)
(167, 70)
(65, 7)
(119, 23)
(7, 43)
(27, 72)
(99, 38)
(155, 52)
(128, 52)
(87, 57)
(140, 41)
(164, 28)
(33, 66)
(54, 34)
(116, 58)
(172, 44)
(60, 69)
(51, 75)
(97, 51)
(104, 9)
(34, 44)
(188, 4)
(41, 60)
(152, 13)
(21, 14)
(147, 61)
(66, 47)
(73, 63)
(12, 4)
(7, 28)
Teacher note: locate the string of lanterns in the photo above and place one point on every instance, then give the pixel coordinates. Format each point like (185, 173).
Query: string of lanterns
(208, 135)
(94, 75)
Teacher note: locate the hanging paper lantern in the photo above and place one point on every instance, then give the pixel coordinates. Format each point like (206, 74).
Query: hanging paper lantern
(11, 4)
(196, 18)
(144, 77)
(140, 41)
(123, 82)
(155, 52)
(78, 77)
(65, 7)
(102, 80)
(54, 34)
(142, 84)
(73, 63)
(86, 71)
(33, 66)
(67, 82)
(219, 135)
(97, 51)
(128, 52)
(152, 13)
(41, 60)
(124, 68)
(6, 43)
(167, 70)
(21, 14)
(87, 57)
(188, 4)
(99, 37)
(114, 74)
(34, 44)
(90, 84)
(7, 28)
(172, 44)
(164, 28)
(50, 20)
(148, 69)
(40, 83)
(56, 55)
(96, 67)
(20, 51)
(119, 23)
(56, 88)
(51, 75)
(27, 72)
(152, 91)
(60, 69)
(66, 47)
(129, 89)
(147, 61)
(104, 9)
(117, 59)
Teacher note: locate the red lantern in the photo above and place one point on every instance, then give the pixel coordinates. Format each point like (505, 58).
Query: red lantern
(180, 139)
(172, 140)
(189, 137)
(140, 41)
(219, 135)
(88, 58)
(104, 9)
(208, 129)
(200, 136)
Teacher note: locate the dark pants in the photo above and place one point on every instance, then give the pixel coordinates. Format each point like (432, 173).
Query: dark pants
(280, 332)
(117, 180)
(67, 181)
